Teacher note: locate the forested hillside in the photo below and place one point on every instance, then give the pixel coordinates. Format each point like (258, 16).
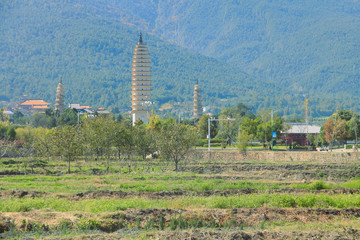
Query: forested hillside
(309, 48)
(288, 50)
(43, 41)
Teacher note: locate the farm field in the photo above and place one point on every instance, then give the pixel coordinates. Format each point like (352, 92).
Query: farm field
(220, 197)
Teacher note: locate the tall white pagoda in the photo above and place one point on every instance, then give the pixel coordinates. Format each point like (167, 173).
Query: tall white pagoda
(141, 83)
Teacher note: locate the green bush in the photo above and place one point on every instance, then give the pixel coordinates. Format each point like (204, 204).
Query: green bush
(318, 185)
(307, 202)
(286, 201)
(89, 224)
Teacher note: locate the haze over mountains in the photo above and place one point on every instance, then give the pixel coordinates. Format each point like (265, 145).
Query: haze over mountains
(264, 53)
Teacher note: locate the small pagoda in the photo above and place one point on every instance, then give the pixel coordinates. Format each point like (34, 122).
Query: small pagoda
(141, 83)
(60, 97)
(197, 101)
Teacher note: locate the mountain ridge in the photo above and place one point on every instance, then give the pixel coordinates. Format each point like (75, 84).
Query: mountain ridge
(90, 43)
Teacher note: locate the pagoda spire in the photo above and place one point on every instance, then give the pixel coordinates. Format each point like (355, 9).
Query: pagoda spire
(140, 38)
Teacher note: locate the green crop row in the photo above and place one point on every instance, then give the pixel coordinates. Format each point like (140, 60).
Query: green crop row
(222, 202)
(168, 181)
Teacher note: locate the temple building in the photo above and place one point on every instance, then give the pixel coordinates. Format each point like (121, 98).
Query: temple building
(141, 83)
(31, 106)
(59, 102)
(197, 101)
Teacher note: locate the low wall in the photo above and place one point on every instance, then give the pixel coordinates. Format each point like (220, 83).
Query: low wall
(274, 156)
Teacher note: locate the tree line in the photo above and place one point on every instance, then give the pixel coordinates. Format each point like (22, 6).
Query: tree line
(102, 137)
(105, 137)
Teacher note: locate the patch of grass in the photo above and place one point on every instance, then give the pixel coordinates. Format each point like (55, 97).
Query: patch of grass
(78, 183)
(318, 185)
(353, 184)
(223, 202)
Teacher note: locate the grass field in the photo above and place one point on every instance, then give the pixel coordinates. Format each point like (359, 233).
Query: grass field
(226, 198)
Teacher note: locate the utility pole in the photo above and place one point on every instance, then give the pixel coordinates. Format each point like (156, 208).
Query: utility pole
(307, 120)
(272, 129)
(209, 119)
(355, 129)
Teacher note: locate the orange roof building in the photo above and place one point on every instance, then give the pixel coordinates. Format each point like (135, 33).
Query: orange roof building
(85, 106)
(34, 105)
(34, 102)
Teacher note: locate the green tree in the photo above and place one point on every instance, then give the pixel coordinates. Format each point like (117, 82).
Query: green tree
(249, 126)
(18, 118)
(174, 141)
(238, 112)
(335, 129)
(203, 127)
(143, 140)
(230, 129)
(265, 126)
(66, 142)
(3, 117)
(354, 127)
(124, 139)
(42, 120)
(69, 117)
(119, 118)
(99, 133)
(345, 114)
(11, 133)
(3, 129)
(42, 142)
(243, 139)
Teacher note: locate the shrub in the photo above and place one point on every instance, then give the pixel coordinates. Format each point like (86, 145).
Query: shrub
(65, 225)
(150, 224)
(161, 223)
(89, 224)
(286, 201)
(318, 185)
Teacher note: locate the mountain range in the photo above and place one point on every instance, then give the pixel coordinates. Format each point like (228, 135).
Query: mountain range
(264, 53)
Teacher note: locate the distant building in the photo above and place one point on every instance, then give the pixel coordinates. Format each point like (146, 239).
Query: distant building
(9, 113)
(60, 97)
(141, 83)
(85, 106)
(82, 109)
(103, 112)
(75, 106)
(298, 133)
(206, 108)
(197, 101)
(33, 106)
